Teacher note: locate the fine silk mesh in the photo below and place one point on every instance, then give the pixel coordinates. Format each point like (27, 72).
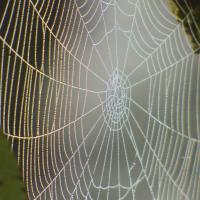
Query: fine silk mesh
(100, 99)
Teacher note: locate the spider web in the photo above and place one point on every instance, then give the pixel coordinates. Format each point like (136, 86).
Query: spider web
(100, 99)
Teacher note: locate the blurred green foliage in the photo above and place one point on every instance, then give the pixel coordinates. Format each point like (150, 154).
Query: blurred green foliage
(11, 184)
(188, 12)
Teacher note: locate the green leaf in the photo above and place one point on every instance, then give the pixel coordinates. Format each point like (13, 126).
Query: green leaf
(188, 12)
(11, 184)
